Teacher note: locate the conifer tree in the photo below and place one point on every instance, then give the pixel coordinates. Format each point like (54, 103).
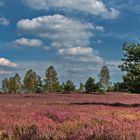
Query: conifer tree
(51, 81)
(30, 82)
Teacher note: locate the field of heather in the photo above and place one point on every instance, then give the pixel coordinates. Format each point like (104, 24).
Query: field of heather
(70, 117)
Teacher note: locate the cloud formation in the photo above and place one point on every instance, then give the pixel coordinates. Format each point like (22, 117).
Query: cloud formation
(66, 35)
(4, 21)
(2, 72)
(28, 42)
(76, 51)
(95, 7)
(6, 62)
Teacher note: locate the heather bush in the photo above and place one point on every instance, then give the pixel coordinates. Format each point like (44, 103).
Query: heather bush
(27, 133)
(55, 117)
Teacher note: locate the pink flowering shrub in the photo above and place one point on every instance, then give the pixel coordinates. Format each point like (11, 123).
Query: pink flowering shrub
(59, 117)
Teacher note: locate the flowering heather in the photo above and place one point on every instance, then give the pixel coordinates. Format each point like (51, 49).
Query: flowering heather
(70, 117)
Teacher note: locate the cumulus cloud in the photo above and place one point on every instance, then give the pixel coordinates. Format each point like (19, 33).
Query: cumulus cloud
(28, 42)
(95, 7)
(67, 35)
(4, 21)
(2, 72)
(7, 63)
(76, 51)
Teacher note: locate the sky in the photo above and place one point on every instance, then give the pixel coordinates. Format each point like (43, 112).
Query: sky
(77, 37)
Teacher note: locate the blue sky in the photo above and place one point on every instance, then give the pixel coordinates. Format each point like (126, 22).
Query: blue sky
(77, 37)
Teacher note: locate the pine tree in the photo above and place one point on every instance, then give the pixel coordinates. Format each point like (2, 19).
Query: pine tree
(39, 85)
(51, 81)
(30, 82)
(18, 84)
(131, 66)
(69, 87)
(81, 89)
(90, 85)
(5, 85)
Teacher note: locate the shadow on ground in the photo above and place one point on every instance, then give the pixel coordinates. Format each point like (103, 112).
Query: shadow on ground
(108, 104)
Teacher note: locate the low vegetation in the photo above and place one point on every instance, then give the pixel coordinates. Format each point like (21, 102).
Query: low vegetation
(70, 116)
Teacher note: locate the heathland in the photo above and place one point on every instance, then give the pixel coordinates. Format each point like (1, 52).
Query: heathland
(113, 116)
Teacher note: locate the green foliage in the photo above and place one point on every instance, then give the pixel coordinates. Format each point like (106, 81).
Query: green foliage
(12, 85)
(82, 88)
(5, 85)
(69, 87)
(61, 88)
(51, 81)
(131, 65)
(33, 83)
(119, 87)
(17, 83)
(104, 78)
(40, 87)
(90, 86)
(98, 88)
(30, 82)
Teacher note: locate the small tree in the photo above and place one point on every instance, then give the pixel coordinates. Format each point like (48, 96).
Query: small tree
(18, 84)
(51, 81)
(119, 87)
(40, 87)
(69, 87)
(81, 89)
(61, 87)
(90, 85)
(104, 78)
(12, 85)
(5, 85)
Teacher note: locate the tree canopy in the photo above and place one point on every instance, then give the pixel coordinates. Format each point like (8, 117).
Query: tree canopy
(90, 85)
(30, 81)
(51, 81)
(131, 66)
(69, 87)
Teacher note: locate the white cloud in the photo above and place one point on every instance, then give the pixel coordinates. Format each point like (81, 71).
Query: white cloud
(2, 72)
(63, 33)
(100, 28)
(28, 42)
(95, 7)
(4, 21)
(7, 63)
(76, 51)
(112, 14)
(93, 58)
(114, 63)
(56, 27)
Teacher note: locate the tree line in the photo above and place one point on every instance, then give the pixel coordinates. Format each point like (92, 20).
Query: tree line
(33, 83)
